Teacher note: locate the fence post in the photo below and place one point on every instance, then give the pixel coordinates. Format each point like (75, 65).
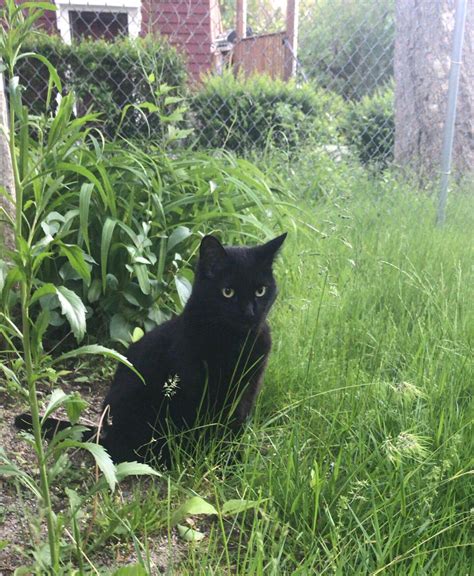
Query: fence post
(453, 87)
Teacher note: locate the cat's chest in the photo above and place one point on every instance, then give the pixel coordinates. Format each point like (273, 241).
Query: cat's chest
(216, 371)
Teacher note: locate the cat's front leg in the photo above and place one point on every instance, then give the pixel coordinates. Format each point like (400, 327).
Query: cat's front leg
(247, 401)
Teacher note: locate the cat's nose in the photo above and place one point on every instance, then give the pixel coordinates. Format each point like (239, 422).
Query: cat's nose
(249, 311)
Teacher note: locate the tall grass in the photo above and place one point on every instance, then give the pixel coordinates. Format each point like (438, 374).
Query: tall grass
(357, 460)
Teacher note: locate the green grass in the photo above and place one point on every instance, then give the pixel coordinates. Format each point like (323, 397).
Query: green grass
(358, 455)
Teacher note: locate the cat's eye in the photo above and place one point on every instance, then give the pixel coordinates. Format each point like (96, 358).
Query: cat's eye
(228, 292)
(259, 292)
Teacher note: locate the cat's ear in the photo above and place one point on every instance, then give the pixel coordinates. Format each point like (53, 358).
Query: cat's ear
(267, 252)
(212, 255)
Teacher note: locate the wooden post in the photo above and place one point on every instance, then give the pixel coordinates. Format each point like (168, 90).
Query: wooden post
(291, 37)
(241, 25)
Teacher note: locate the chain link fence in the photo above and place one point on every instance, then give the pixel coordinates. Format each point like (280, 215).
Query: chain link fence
(253, 75)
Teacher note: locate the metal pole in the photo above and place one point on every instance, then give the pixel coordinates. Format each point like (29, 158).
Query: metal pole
(453, 87)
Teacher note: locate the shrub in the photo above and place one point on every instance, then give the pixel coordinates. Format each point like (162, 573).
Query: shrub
(243, 114)
(370, 128)
(106, 77)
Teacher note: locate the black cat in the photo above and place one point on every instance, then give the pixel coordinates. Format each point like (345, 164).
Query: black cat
(204, 366)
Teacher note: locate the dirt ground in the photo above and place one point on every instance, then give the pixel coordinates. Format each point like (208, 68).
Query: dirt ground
(19, 526)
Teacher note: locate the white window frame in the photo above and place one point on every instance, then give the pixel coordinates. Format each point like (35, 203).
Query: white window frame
(131, 7)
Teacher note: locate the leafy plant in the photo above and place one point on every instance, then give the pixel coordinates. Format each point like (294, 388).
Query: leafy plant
(125, 222)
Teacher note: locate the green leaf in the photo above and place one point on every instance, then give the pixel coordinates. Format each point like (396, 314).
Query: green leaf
(43, 290)
(232, 507)
(57, 399)
(101, 456)
(74, 405)
(76, 258)
(39, 5)
(107, 233)
(104, 462)
(189, 534)
(141, 273)
(84, 205)
(179, 234)
(97, 349)
(74, 310)
(39, 328)
(10, 374)
(137, 334)
(120, 329)
(184, 287)
(75, 501)
(81, 170)
(11, 470)
(125, 469)
(172, 100)
(14, 276)
(23, 571)
(192, 507)
(93, 294)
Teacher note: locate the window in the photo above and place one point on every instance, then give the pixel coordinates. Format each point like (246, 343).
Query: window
(106, 25)
(98, 18)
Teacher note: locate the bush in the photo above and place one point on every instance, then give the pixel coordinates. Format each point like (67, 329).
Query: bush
(106, 77)
(243, 114)
(370, 128)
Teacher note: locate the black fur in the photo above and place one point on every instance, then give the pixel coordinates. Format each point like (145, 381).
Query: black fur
(204, 366)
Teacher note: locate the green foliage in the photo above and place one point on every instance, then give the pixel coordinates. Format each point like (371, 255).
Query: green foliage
(347, 47)
(359, 452)
(244, 114)
(106, 77)
(120, 225)
(115, 226)
(370, 128)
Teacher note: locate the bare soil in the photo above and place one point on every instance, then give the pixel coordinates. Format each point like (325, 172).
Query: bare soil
(21, 529)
